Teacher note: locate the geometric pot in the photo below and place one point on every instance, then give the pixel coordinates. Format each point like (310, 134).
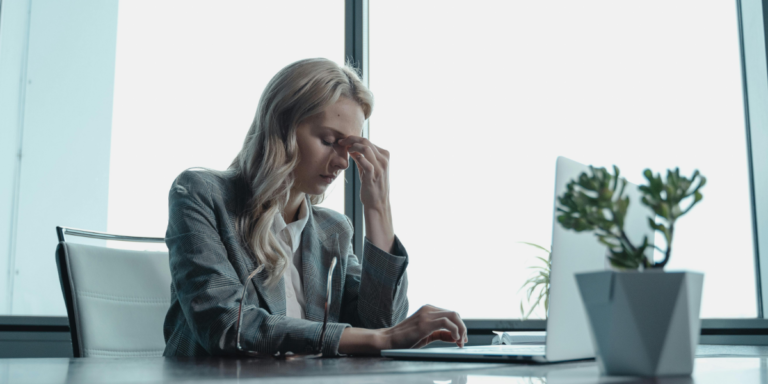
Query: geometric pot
(643, 323)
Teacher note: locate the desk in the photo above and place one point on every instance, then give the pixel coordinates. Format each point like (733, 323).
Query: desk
(715, 364)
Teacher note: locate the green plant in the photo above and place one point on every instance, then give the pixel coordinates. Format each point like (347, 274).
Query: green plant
(539, 281)
(596, 202)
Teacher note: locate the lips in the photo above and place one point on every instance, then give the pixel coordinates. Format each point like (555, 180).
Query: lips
(328, 178)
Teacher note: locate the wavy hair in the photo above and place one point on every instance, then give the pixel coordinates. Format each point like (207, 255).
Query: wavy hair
(263, 169)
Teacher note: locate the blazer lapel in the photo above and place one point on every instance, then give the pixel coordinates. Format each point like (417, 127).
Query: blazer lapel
(274, 297)
(318, 249)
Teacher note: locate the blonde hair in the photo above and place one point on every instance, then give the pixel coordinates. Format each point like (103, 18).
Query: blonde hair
(264, 167)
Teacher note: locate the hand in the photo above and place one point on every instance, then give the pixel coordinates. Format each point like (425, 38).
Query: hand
(428, 324)
(373, 168)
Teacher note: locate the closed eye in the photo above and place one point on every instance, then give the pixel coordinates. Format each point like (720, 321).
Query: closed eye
(327, 143)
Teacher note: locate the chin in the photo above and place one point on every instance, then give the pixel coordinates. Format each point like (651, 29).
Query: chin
(309, 188)
(316, 190)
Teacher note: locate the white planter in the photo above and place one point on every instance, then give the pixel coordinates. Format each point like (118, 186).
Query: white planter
(643, 323)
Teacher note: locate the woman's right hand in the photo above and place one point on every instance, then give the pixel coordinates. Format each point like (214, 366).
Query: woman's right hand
(428, 324)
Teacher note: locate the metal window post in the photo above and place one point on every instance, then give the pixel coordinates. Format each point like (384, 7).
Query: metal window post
(752, 35)
(356, 53)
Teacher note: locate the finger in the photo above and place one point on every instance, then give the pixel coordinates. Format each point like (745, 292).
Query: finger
(447, 324)
(443, 335)
(364, 167)
(381, 154)
(439, 335)
(349, 140)
(382, 150)
(455, 319)
(377, 151)
(368, 151)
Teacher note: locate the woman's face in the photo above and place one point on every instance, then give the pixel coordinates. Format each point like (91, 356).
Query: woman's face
(321, 159)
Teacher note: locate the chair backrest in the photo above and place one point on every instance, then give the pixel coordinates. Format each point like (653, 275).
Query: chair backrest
(116, 299)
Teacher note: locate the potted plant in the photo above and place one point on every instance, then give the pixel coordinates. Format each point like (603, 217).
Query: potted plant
(644, 321)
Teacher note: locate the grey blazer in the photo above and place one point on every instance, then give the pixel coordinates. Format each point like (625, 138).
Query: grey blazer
(209, 267)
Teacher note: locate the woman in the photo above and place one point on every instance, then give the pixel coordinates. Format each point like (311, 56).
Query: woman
(261, 213)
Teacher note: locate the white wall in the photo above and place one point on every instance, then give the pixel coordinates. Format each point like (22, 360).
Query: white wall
(65, 95)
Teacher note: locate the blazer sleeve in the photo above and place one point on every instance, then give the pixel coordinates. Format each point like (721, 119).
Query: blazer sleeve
(376, 287)
(209, 289)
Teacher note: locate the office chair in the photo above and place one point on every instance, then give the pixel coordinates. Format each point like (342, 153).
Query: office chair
(116, 299)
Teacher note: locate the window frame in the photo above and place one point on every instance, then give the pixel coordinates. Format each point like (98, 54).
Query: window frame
(752, 38)
(753, 34)
(356, 53)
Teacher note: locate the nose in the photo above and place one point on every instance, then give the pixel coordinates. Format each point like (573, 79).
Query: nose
(339, 158)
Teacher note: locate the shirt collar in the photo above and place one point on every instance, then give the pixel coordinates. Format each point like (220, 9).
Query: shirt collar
(294, 229)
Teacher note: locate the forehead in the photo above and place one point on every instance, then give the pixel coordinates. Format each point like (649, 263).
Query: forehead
(345, 116)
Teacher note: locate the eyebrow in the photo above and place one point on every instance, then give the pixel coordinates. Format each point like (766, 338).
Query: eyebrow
(334, 130)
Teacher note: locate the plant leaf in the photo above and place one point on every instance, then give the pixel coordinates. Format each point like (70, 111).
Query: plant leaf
(535, 246)
(544, 260)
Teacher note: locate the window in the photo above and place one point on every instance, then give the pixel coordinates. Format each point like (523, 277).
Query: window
(485, 96)
(474, 101)
(197, 85)
(149, 89)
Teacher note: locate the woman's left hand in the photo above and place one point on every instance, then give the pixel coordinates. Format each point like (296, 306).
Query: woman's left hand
(373, 167)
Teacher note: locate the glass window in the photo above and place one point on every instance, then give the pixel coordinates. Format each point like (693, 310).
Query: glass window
(185, 95)
(476, 101)
(187, 77)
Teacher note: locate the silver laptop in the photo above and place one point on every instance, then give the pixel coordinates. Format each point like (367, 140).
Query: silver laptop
(568, 336)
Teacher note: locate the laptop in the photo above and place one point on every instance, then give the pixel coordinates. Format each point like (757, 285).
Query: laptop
(568, 336)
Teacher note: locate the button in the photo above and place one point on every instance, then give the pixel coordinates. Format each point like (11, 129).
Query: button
(290, 295)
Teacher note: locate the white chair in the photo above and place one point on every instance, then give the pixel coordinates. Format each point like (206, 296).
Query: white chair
(116, 299)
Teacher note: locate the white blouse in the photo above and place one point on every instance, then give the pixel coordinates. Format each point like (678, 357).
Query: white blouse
(289, 237)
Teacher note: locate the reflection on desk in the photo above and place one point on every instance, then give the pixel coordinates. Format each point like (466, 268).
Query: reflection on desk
(714, 364)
